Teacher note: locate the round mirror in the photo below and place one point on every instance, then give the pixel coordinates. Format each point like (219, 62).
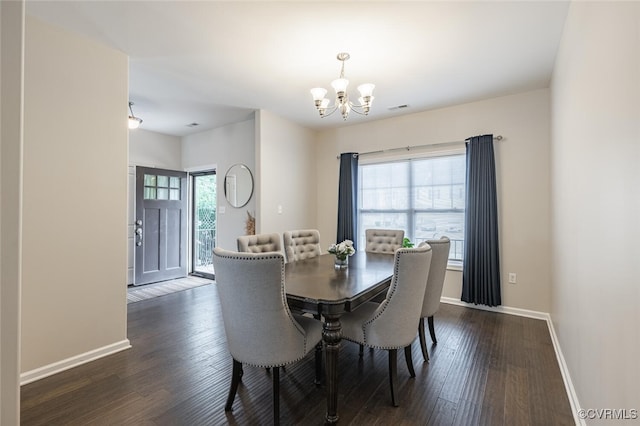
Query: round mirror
(238, 185)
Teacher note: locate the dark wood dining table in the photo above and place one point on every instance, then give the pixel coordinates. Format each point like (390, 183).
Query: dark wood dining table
(316, 286)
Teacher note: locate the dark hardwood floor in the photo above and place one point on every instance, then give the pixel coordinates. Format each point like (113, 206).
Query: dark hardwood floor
(487, 369)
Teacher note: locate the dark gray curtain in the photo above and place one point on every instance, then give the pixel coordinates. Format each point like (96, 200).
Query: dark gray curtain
(481, 268)
(348, 198)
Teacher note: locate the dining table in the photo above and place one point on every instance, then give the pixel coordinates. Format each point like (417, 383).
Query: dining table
(316, 285)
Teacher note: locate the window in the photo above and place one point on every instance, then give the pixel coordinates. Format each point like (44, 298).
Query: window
(425, 197)
(161, 187)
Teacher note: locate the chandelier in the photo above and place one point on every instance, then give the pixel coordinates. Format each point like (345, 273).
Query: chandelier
(342, 101)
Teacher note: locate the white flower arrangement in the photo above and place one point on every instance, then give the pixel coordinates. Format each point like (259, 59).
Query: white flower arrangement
(342, 250)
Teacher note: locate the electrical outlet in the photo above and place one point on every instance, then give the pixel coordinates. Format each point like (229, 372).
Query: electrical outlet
(512, 278)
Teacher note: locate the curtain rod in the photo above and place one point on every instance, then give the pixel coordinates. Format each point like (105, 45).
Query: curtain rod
(409, 148)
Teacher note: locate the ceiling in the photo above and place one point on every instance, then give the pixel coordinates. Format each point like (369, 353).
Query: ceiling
(214, 63)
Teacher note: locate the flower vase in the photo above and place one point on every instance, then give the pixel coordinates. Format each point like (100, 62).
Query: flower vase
(341, 263)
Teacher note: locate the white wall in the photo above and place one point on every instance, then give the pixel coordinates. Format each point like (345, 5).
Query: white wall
(75, 198)
(11, 115)
(286, 169)
(221, 148)
(522, 162)
(596, 202)
(151, 149)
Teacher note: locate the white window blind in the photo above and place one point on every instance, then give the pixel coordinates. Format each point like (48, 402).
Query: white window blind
(425, 197)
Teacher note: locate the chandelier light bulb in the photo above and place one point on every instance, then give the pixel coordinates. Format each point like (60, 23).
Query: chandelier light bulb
(366, 89)
(318, 93)
(340, 85)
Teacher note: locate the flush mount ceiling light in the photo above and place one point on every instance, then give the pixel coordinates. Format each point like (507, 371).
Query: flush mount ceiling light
(342, 101)
(134, 122)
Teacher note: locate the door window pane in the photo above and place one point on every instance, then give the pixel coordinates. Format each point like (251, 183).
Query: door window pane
(174, 182)
(149, 180)
(163, 181)
(174, 194)
(163, 194)
(149, 193)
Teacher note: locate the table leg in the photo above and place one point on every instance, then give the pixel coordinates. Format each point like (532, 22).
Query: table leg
(332, 334)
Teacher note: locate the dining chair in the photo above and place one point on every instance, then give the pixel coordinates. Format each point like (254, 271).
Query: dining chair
(383, 240)
(390, 325)
(301, 244)
(261, 330)
(260, 243)
(263, 243)
(433, 293)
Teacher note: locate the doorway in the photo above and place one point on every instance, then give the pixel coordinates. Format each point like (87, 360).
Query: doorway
(160, 236)
(203, 222)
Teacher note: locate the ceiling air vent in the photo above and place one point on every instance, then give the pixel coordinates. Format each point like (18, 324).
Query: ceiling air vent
(397, 107)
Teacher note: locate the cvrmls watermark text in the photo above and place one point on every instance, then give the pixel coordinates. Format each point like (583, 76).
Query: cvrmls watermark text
(608, 413)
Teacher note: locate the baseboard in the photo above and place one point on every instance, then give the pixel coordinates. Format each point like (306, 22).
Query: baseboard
(568, 384)
(564, 370)
(500, 309)
(74, 361)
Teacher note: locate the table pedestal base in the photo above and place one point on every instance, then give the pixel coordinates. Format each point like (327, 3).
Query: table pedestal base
(331, 335)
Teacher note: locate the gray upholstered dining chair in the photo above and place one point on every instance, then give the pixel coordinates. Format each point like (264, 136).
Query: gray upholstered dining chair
(383, 240)
(390, 325)
(260, 243)
(260, 329)
(433, 293)
(301, 244)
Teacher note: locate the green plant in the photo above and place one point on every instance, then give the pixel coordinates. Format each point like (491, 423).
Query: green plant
(407, 243)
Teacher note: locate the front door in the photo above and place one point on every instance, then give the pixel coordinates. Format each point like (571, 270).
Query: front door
(160, 225)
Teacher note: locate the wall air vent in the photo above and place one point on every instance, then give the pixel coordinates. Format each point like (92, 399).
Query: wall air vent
(397, 107)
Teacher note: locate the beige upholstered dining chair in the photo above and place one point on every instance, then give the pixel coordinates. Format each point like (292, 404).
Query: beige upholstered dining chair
(383, 240)
(261, 243)
(433, 293)
(390, 325)
(301, 244)
(260, 329)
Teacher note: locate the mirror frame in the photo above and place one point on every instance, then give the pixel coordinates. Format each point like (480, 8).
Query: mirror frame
(226, 196)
